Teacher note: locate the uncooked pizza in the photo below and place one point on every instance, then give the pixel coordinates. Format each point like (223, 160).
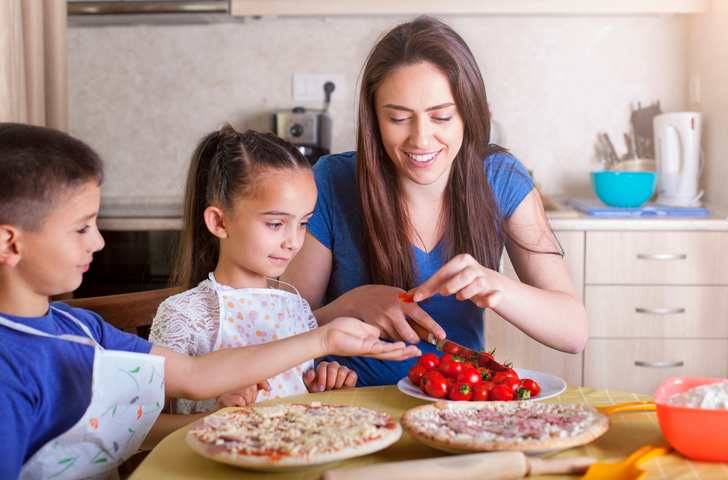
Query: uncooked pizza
(524, 426)
(292, 435)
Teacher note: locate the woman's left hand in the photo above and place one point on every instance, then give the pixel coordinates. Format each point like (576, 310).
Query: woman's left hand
(465, 278)
(329, 376)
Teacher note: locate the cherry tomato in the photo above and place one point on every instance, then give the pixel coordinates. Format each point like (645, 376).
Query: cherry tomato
(437, 387)
(428, 360)
(532, 386)
(499, 376)
(510, 382)
(470, 376)
(489, 354)
(406, 297)
(426, 378)
(452, 348)
(460, 392)
(469, 355)
(500, 393)
(481, 392)
(446, 357)
(415, 373)
(452, 368)
(485, 374)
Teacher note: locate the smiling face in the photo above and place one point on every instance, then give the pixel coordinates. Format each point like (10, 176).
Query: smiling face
(263, 232)
(421, 127)
(54, 259)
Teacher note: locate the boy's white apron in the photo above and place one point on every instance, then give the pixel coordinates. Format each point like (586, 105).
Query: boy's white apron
(251, 316)
(127, 395)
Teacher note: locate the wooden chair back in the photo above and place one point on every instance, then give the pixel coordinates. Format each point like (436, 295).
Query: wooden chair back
(131, 312)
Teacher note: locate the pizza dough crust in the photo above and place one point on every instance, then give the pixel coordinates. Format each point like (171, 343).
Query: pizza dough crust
(218, 451)
(459, 427)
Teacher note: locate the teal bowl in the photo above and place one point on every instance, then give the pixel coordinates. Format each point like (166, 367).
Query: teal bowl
(619, 188)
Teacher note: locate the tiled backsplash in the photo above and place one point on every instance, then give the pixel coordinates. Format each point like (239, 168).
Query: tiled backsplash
(143, 95)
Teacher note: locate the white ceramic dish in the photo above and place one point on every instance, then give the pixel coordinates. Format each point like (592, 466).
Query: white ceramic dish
(551, 385)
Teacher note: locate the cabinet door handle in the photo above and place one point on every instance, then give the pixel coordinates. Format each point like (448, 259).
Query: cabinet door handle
(659, 311)
(640, 363)
(662, 256)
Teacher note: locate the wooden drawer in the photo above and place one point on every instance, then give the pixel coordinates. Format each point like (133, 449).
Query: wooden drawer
(641, 365)
(654, 257)
(657, 311)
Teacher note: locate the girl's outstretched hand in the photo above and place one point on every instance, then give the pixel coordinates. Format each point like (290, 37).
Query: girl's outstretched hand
(244, 396)
(329, 376)
(465, 278)
(347, 336)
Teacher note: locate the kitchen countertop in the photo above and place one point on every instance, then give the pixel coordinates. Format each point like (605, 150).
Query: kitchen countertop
(173, 459)
(165, 213)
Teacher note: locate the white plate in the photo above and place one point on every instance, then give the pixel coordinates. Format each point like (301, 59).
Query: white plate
(551, 385)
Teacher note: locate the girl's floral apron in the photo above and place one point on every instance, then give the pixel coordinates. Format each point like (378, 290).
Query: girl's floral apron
(251, 316)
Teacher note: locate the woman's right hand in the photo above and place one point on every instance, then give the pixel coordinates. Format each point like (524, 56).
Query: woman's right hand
(380, 305)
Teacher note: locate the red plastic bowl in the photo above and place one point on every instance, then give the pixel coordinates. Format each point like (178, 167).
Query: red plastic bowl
(697, 433)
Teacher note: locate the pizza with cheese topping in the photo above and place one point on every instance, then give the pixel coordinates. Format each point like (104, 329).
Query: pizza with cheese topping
(526, 426)
(291, 436)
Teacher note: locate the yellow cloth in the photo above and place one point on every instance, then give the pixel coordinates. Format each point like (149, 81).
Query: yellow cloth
(173, 459)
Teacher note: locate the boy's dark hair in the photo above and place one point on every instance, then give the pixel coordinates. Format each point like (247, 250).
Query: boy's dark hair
(38, 167)
(226, 165)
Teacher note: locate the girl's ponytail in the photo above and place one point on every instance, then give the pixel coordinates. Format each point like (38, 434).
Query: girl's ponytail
(198, 248)
(224, 168)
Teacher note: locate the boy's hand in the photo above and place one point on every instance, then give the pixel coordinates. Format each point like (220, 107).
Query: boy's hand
(329, 376)
(244, 396)
(348, 336)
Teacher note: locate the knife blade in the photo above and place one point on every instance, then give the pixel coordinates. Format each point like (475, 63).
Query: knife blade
(482, 359)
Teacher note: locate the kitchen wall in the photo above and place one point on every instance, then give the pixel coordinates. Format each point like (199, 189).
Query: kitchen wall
(708, 60)
(143, 95)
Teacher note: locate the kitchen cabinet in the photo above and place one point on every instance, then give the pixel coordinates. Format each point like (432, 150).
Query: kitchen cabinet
(470, 7)
(513, 345)
(656, 295)
(657, 303)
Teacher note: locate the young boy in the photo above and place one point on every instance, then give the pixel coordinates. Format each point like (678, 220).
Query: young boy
(78, 396)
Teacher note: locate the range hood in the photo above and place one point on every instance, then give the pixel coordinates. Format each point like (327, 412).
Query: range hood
(159, 12)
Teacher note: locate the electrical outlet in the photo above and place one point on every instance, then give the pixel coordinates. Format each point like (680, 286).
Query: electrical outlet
(311, 87)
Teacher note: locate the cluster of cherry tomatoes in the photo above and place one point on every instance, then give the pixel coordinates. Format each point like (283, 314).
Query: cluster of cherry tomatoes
(456, 378)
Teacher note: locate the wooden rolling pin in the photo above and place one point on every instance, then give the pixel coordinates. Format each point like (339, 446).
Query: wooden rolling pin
(475, 466)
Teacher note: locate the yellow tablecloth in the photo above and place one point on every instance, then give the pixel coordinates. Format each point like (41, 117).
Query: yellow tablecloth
(173, 459)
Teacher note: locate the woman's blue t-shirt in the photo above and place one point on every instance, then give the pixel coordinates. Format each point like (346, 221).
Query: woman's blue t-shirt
(337, 225)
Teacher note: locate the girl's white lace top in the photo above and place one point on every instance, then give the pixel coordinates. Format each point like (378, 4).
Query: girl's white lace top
(189, 322)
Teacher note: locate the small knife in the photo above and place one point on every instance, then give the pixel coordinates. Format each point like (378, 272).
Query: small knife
(482, 359)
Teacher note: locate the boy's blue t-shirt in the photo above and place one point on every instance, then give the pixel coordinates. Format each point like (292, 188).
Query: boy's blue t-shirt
(337, 224)
(46, 382)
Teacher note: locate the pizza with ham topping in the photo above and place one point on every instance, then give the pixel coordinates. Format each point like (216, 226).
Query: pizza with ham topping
(291, 435)
(524, 426)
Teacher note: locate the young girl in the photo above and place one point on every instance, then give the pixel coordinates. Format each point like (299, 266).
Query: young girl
(78, 396)
(248, 200)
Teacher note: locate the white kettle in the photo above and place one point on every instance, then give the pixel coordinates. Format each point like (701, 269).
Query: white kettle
(678, 159)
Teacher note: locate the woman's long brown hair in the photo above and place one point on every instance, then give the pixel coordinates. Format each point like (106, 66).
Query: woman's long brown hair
(471, 217)
(225, 166)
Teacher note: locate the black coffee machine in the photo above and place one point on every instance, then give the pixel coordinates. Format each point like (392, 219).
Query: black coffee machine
(309, 130)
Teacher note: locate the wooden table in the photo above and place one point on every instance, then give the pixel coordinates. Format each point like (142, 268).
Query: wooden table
(173, 459)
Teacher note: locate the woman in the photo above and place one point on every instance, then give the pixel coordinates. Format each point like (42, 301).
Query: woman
(433, 206)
